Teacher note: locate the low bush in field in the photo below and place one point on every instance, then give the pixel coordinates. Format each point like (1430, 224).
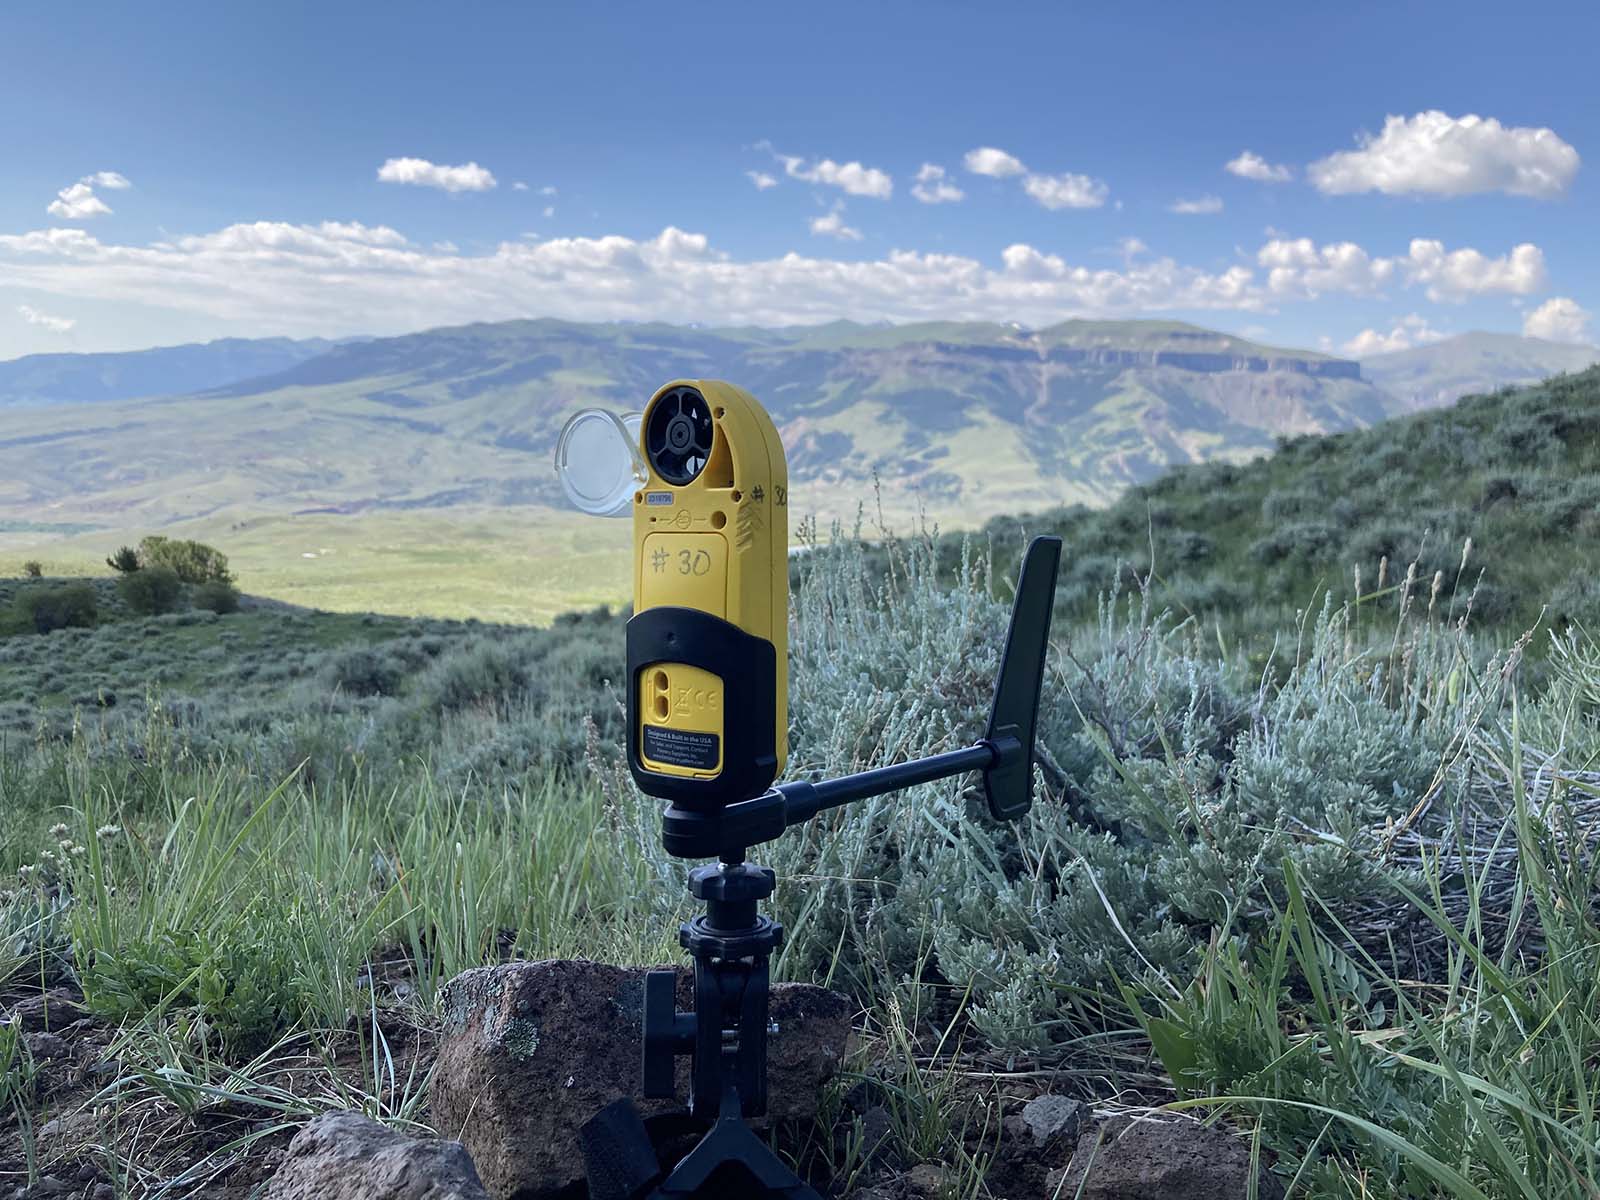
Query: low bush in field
(192, 562)
(366, 671)
(47, 608)
(216, 595)
(151, 591)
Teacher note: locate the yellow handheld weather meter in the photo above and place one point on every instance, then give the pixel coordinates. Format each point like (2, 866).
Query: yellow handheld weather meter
(707, 645)
(703, 475)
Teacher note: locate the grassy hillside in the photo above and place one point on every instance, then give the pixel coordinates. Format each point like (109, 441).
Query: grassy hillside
(963, 420)
(1496, 501)
(517, 565)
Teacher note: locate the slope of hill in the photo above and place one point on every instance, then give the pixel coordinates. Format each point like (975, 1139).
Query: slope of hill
(1439, 373)
(45, 379)
(1496, 500)
(963, 420)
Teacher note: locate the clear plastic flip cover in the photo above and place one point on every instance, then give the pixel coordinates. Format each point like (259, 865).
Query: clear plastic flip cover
(597, 460)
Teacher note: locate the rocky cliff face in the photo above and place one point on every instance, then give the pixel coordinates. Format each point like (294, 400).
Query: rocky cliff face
(1209, 362)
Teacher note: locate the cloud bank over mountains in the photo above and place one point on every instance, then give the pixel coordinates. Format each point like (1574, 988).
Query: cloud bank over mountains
(346, 277)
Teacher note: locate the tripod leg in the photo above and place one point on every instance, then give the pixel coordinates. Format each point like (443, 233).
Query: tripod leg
(731, 1145)
(752, 1034)
(618, 1157)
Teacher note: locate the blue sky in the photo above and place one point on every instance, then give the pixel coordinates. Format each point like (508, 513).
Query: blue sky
(216, 170)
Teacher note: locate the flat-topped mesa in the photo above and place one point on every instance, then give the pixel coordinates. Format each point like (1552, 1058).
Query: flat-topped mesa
(1202, 361)
(1198, 360)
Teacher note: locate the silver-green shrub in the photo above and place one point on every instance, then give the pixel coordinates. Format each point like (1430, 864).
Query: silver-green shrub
(1175, 784)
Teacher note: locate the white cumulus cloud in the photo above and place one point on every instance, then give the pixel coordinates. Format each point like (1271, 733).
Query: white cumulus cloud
(1250, 165)
(987, 160)
(1054, 192)
(468, 177)
(78, 202)
(1066, 191)
(1403, 334)
(762, 180)
(519, 186)
(44, 320)
(1298, 267)
(833, 226)
(1433, 153)
(1558, 319)
(853, 178)
(1459, 274)
(932, 187)
(1200, 206)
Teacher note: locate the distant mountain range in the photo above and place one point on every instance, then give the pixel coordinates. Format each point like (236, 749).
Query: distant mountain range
(963, 420)
(1442, 372)
(45, 379)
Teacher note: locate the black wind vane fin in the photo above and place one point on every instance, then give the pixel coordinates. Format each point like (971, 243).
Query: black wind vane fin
(1008, 784)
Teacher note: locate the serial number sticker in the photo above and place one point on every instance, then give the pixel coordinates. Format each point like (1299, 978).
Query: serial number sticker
(658, 498)
(681, 748)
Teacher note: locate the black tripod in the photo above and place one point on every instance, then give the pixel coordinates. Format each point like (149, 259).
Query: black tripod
(732, 943)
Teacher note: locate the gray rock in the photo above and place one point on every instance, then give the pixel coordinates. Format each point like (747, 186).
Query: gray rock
(924, 1182)
(52, 1010)
(46, 1047)
(877, 1132)
(1161, 1158)
(531, 1051)
(346, 1156)
(71, 1129)
(1054, 1119)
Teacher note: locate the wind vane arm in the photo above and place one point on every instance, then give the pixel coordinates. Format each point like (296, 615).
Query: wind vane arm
(1005, 755)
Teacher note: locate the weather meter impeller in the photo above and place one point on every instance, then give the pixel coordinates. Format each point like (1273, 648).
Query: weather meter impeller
(702, 473)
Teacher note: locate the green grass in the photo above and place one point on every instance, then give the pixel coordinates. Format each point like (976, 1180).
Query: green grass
(516, 565)
(1328, 878)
